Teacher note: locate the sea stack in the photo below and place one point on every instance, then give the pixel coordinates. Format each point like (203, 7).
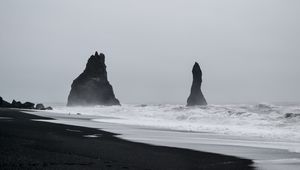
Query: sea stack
(92, 87)
(196, 97)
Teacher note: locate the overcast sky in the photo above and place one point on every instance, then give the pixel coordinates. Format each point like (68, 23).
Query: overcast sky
(249, 51)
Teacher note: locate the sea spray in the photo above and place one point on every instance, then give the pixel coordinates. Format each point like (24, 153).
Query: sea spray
(266, 121)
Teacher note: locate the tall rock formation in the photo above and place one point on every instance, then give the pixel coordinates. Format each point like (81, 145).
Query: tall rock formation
(196, 97)
(92, 87)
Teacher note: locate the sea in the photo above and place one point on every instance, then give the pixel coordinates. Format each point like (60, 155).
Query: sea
(279, 122)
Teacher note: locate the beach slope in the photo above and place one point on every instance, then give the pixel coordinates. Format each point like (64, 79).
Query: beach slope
(29, 144)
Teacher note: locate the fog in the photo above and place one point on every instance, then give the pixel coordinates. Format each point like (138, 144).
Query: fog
(248, 50)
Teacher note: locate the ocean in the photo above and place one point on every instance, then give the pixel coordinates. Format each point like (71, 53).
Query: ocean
(280, 122)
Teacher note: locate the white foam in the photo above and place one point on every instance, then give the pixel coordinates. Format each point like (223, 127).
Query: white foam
(280, 161)
(264, 121)
(93, 136)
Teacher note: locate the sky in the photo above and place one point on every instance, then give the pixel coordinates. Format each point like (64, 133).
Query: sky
(248, 50)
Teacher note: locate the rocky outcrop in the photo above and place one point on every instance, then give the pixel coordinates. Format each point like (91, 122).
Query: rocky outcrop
(196, 97)
(16, 104)
(28, 105)
(40, 106)
(20, 105)
(4, 103)
(49, 108)
(92, 87)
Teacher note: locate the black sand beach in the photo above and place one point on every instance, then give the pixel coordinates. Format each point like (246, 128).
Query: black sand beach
(29, 144)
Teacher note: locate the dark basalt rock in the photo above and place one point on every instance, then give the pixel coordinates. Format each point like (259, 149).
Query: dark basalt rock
(28, 105)
(196, 97)
(92, 87)
(40, 106)
(20, 105)
(49, 108)
(16, 104)
(4, 103)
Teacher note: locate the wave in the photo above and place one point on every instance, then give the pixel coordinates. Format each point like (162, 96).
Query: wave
(261, 120)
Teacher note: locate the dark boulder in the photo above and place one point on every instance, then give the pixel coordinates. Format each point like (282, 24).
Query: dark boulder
(196, 97)
(20, 105)
(4, 103)
(28, 105)
(49, 108)
(16, 104)
(40, 106)
(92, 87)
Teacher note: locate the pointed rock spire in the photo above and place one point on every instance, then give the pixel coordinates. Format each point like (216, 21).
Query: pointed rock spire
(196, 97)
(92, 87)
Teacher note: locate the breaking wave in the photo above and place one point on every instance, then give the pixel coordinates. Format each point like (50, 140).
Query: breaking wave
(262, 120)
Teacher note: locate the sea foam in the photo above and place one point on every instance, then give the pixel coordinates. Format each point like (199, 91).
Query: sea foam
(264, 121)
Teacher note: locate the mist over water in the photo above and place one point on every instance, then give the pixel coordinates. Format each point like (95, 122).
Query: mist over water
(265, 121)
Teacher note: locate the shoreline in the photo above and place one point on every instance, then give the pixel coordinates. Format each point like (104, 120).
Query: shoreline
(266, 155)
(43, 145)
(95, 121)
